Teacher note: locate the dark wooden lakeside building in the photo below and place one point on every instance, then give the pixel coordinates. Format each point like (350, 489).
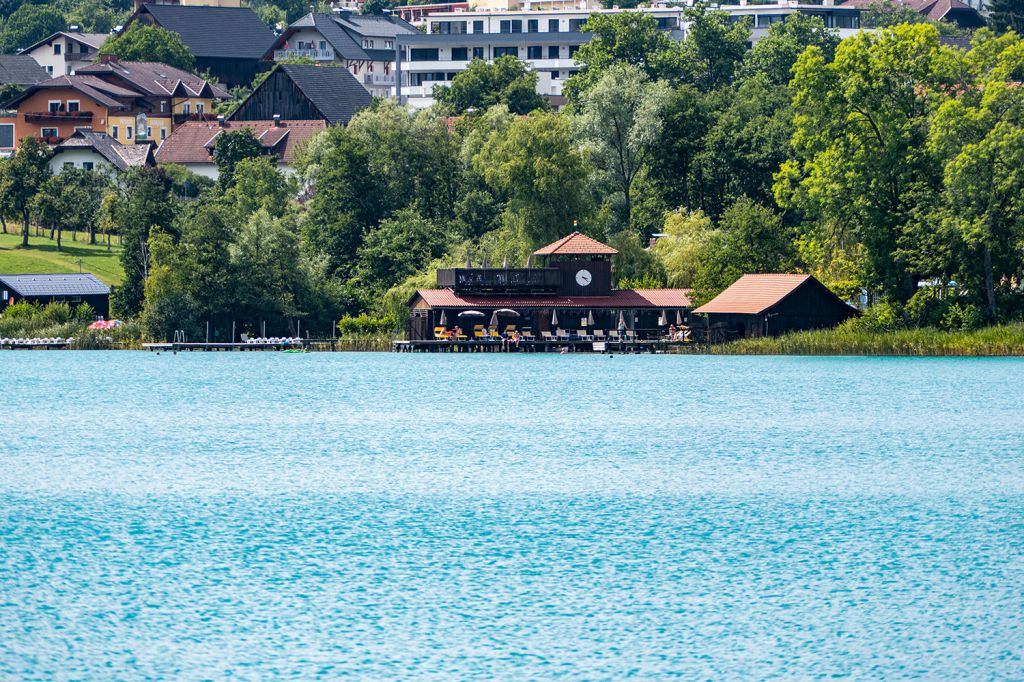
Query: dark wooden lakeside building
(770, 305)
(568, 300)
(74, 289)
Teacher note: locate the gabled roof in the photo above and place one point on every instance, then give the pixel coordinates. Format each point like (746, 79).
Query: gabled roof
(191, 142)
(21, 69)
(754, 294)
(576, 244)
(331, 90)
(98, 90)
(623, 298)
(935, 10)
(94, 40)
(155, 78)
(345, 32)
(84, 284)
(228, 32)
(120, 156)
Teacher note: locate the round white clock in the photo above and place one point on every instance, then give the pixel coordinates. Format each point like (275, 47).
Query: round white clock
(583, 277)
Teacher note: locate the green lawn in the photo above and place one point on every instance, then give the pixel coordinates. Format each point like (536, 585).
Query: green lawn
(42, 257)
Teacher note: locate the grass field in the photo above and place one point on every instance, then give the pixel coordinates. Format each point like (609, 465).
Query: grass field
(42, 257)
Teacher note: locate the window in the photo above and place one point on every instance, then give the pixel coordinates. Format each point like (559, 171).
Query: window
(113, 132)
(163, 106)
(573, 49)
(460, 54)
(49, 70)
(128, 132)
(576, 25)
(7, 136)
(531, 26)
(73, 105)
(186, 108)
(668, 23)
(423, 54)
(200, 107)
(555, 75)
(87, 165)
(368, 43)
(54, 105)
(502, 51)
(449, 27)
(511, 26)
(552, 25)
(478, 26)
(48, 132)
(163, 134)
(535, 52)
(478, 53)
(766, 20)
(847, 21)
(56, 48)
(389, 44)
(323, 44)
(552, 51)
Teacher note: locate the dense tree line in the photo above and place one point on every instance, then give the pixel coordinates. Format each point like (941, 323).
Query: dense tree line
(876, 164)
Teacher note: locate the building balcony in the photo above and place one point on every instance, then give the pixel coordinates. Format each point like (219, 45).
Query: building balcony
(381, 79)
(48, 116)
(295, 53)
(501, 280)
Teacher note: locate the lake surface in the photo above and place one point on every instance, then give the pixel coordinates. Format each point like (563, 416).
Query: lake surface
(262, 515)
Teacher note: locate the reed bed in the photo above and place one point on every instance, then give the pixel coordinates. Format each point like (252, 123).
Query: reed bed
(1002, 340)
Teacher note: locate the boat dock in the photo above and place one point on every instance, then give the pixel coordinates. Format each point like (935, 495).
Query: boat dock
(201, 346)
(542, 346)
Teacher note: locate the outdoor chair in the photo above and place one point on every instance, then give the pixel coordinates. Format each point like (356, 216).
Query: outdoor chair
(479, 334)
(440, 334)
(562, 334)
(613, 335)
(527, 334)
(583, 335)
(631, 335)
(599, 335)
(547, 336)
(509, 328)
(494, 334)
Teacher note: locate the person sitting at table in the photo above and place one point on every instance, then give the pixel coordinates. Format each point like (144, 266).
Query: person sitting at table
(671, 332)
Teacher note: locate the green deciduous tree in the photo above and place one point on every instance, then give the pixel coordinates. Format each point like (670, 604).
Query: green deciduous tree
(620, 121)
(535, 165)
(22, 178)
(397, 248)
(1006, 15)
(507, 80)
(29, 24)
(713, 48)
(626, 37)
(678, 250)
(145, 43)
(774, 55)
(71, 199)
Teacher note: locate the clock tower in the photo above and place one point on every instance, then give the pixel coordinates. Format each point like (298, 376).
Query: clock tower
(585, 265)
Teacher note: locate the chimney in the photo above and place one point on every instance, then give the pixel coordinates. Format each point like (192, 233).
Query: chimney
(108, 58)
(277, 120)
(74, 28)
(220, 120)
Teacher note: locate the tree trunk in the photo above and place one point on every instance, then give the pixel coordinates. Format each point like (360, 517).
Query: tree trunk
(24, 228)
(990, 285)
(3, 223)
(53, 229)
(92, 233)
(58, 238)
(108, 241)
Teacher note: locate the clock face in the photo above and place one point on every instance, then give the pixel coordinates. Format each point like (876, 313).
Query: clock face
(583, 277)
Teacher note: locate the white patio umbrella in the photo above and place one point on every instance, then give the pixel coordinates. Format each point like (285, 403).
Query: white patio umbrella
(443, 321)
(679, 317)
(471, 313)
(554, 317)
(590, 318)
(494, 319)
(506, 312)
(622, 320)
(504, 263)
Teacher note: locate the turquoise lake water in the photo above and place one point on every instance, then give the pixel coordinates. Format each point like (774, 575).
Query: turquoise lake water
(261, 515)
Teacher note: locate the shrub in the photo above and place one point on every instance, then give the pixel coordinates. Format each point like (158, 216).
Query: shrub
(961, 317)
(365, 324)
(884, 316)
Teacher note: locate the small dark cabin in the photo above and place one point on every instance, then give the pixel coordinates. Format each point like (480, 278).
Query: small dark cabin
(74, 289)
(772, 304)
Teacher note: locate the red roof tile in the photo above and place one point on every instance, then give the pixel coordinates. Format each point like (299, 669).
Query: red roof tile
(191, 142)
(626, 298)
(753, 294)
(576, 243)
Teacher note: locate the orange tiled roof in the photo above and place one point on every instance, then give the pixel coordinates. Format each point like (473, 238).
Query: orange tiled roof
(753, 294)
(576, 243)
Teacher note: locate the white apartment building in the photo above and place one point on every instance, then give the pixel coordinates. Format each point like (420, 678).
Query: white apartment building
(548, 40)
(63, 52)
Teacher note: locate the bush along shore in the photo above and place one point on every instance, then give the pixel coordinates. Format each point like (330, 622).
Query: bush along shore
(1002, 340)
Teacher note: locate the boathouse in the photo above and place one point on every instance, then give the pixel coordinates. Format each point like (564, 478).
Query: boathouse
(772, 304)
(568, 295)
(74, 289)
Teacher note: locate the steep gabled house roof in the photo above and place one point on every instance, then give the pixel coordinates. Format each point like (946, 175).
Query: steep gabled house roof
(120, 156)
(21, 69)
(576, 243)
(192, 142)
(93, 40)
(154, 78)
(331, 91)
(224, 32)
(101, 92)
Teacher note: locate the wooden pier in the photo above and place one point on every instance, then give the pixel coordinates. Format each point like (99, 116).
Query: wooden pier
(201, 346)
(542, 346)
(8, 344)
